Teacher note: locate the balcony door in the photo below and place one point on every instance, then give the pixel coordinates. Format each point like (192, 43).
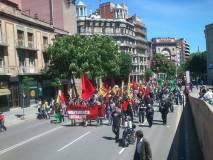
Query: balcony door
(22, 61)
(20, 35)
(32, 65)
(1, 60)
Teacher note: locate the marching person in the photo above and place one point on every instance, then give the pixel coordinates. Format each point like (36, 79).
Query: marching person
(116, 122)
(149, 114)
(2, 119)
(142, 150)
(141, 112)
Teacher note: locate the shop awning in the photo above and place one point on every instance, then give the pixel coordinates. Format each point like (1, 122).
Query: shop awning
(4, 92)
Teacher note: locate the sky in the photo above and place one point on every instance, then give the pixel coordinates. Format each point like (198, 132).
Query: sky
(170, 18)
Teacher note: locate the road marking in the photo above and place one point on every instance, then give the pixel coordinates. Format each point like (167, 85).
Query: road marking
(121, 151)
(74, 141)
(28, 140)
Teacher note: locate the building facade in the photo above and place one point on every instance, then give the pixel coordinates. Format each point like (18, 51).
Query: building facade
(128, 32)
(60, 13)
(183, 47)
(209, 47)
(23, 40)
(176, 50)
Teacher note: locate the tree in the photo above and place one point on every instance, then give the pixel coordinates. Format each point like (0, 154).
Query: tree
(197, 64)
(148, 73)
(25, 86)
(160, 64)
(125, 65)
(72, 55)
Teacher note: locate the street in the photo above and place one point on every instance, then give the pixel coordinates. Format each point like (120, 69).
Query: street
(41, 140)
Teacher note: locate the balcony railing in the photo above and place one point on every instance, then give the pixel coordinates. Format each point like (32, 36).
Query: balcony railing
(4, 70)
(29, 70)
(21, 44)
(44, 47)
(3, 40)
(30, 44)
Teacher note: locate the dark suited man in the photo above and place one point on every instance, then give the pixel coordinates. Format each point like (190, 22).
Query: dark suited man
(116, 122)
(142, 150)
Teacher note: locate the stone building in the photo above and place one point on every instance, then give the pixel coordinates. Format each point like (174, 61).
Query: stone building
(128, 32)
(176, 50)
(60, 13)
(209, 47)
(23, 40)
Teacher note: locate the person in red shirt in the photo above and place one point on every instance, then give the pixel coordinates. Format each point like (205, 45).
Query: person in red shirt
(2, 118)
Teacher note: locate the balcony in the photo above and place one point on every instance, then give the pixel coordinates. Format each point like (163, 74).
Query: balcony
(27, 70)
(136, 73)
(20, 44)
(44, 47)
(4, 70)
(3, 40)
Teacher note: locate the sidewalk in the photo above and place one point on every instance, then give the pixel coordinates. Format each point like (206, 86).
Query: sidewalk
(15, 115)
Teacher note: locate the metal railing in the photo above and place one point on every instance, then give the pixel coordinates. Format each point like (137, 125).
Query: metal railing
(20, 43)
(4, 70)
(23, 69)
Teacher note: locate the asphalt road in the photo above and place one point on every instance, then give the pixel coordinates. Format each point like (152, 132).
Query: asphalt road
(40, 140)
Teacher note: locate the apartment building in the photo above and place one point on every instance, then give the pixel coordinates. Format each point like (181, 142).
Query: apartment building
(184, 49)
(128, 32)
(59, 13)
(209, 47)
(23, 41)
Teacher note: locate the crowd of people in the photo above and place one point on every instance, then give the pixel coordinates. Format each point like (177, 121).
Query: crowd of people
(123, 107)
(128, 104)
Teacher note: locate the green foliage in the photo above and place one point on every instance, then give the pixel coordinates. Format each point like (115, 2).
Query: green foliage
(160, 64)
(96, 55)
(125, 65)
(181, 70)
(55, 83)
(197, 64)
(148, 73)
(25, 85)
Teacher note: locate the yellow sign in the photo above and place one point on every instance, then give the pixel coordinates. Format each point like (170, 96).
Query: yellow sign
(32, 93)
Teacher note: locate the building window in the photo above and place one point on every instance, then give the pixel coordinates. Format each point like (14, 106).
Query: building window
(1, 58)
(30, 40)
(22, 62)
(1, 37)
(20, 35)
(45, 42)
(31, 62)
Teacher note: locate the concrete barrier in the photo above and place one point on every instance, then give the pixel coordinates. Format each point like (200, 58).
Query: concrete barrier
(203, 120)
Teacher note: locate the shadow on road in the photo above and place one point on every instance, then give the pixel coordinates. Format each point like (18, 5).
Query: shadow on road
(154, 120)
(143, 125)
(155, 123)
(108, 138)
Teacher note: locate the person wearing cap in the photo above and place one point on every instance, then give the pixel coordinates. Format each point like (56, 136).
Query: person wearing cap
(2, 119)
(142, 150)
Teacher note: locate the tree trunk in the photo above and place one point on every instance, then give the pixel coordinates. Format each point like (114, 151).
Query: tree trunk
(73, 80)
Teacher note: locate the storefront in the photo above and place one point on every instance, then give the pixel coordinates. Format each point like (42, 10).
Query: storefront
(4, 99)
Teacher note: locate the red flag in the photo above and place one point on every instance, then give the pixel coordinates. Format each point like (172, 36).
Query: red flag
(141, 88)
(134, 85)
(87, 88)
(124, 105)
(62, 98)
